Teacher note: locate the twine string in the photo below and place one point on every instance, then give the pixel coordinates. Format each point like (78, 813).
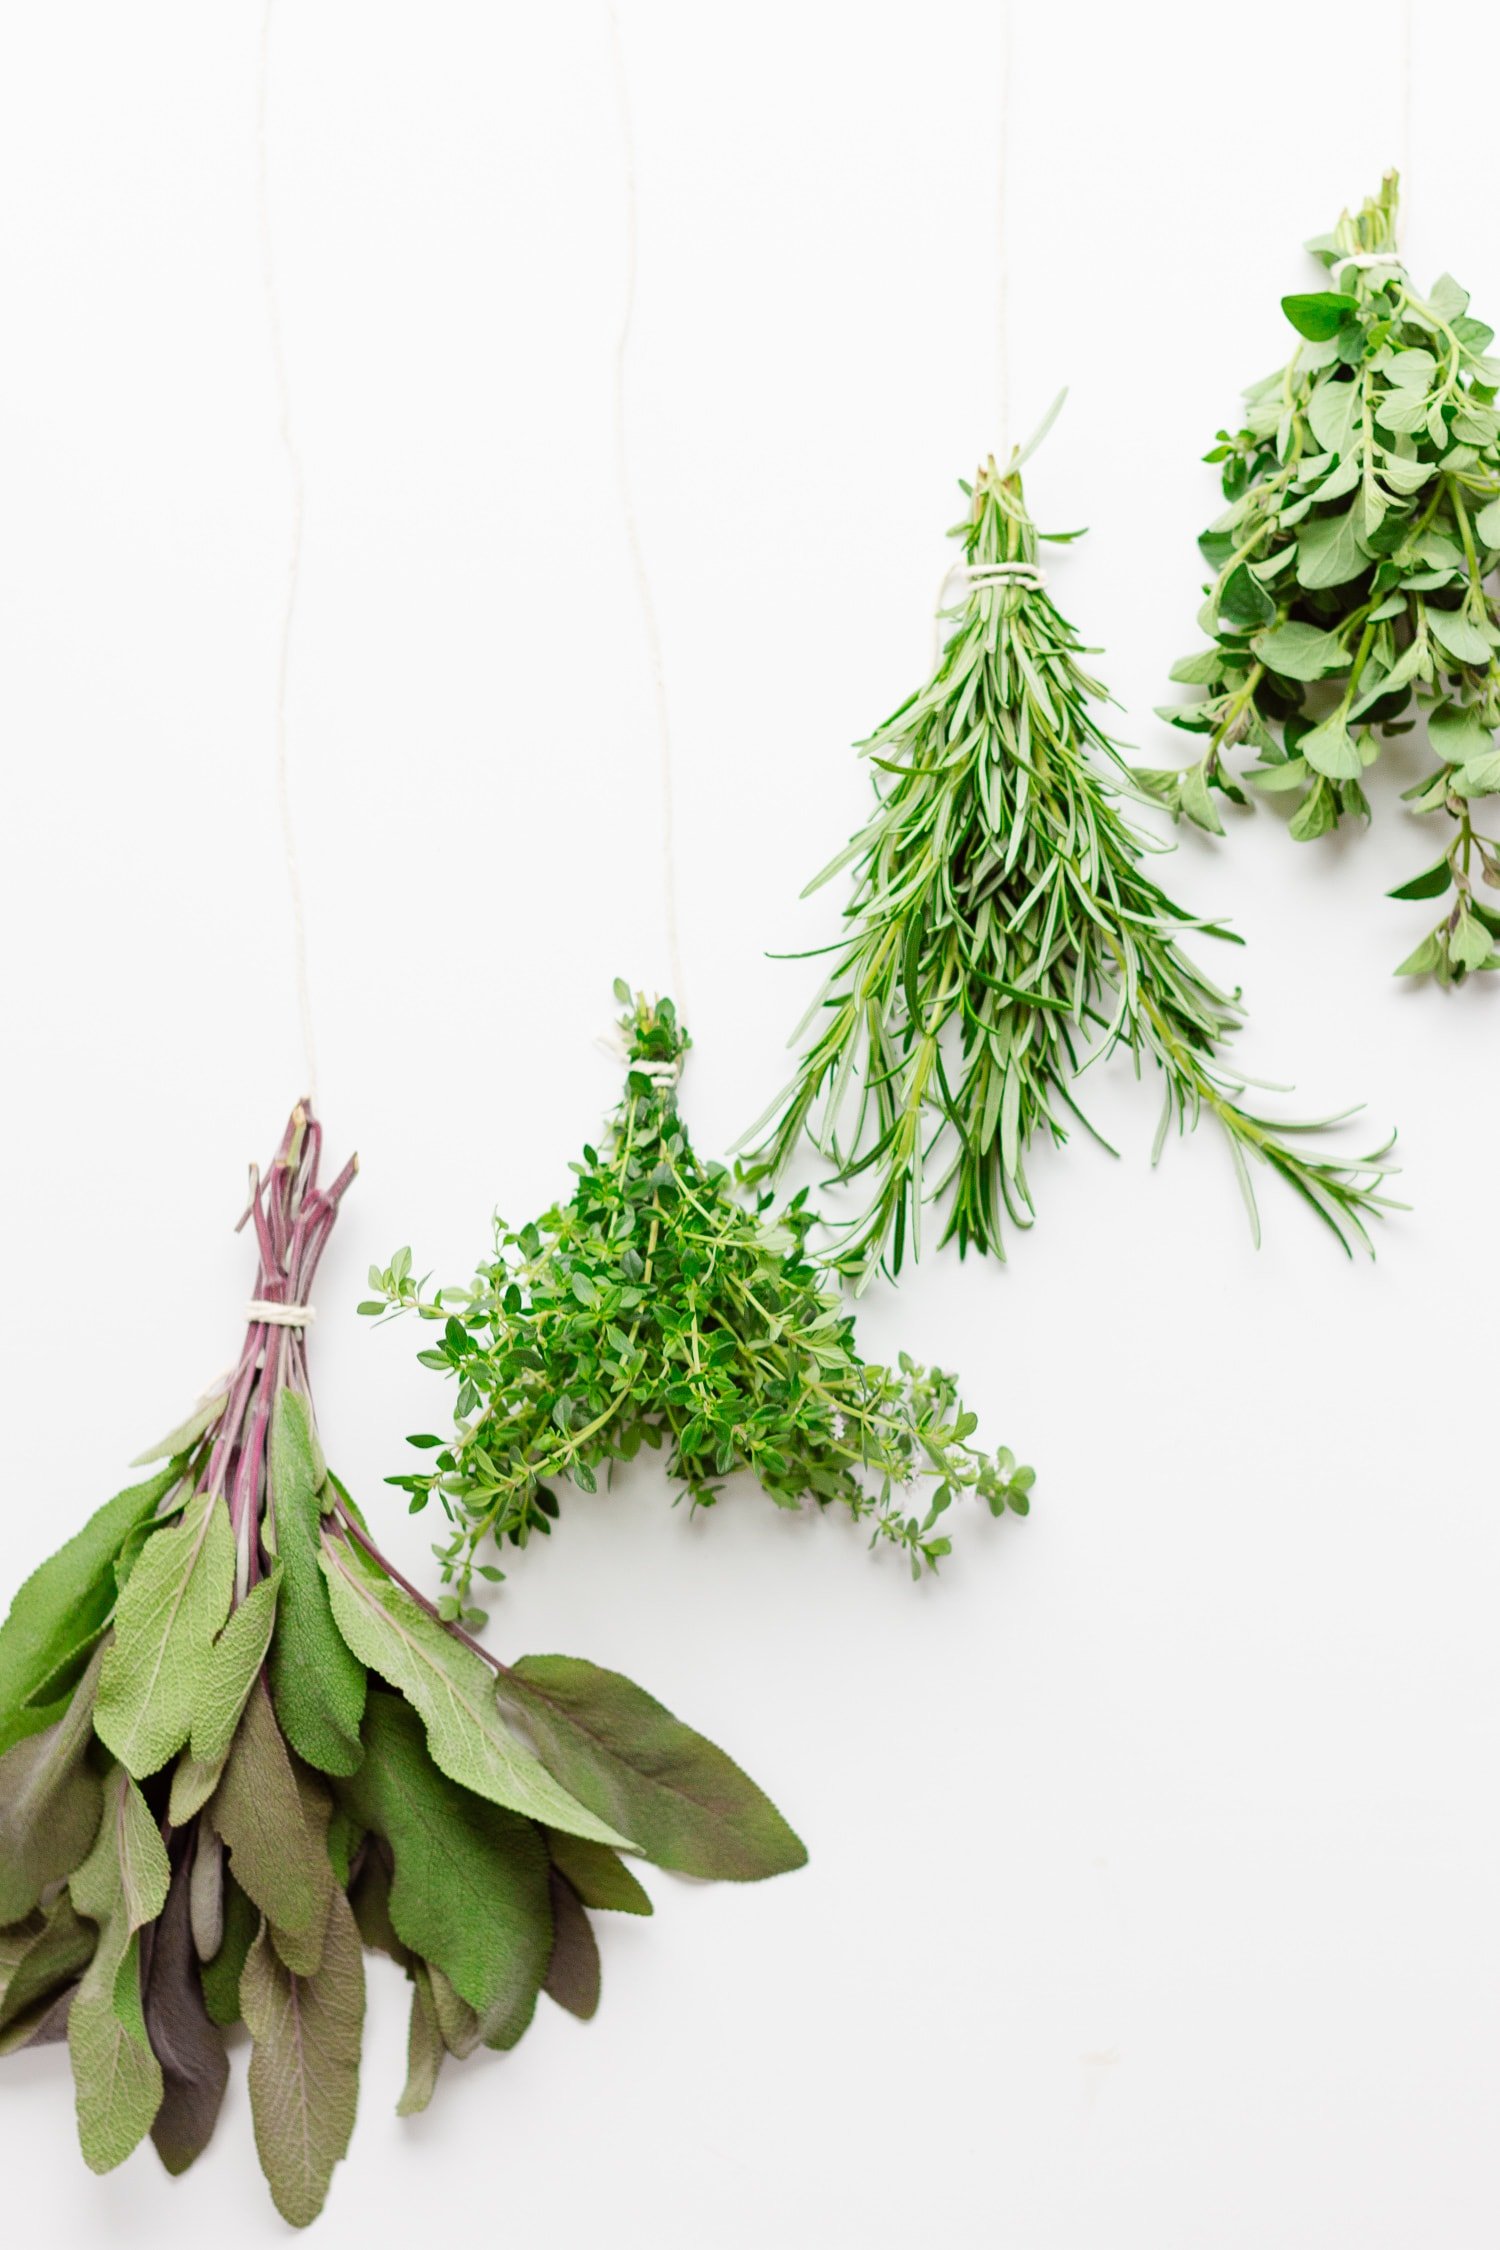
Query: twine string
(289, 447)
(625, 489)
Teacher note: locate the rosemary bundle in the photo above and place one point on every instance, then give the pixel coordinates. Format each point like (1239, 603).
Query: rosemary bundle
(239, 1747)
(654, 1308)
(1353, 565)
(1002, 933)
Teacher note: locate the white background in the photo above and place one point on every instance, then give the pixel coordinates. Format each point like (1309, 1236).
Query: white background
(1154, 1849)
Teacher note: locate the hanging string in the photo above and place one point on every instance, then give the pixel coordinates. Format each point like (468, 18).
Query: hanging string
(1002, 323)
(632, 528)
(294, 558)
(1404, 141)
(1002, 260)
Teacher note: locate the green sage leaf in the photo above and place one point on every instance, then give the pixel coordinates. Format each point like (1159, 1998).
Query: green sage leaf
(276, 1852)
(176, 1599)
(573, 1971)
(469, 1887)
(50, 1801)
(624, 1755)
(599, 1876)
(424, 2045)
(304, 2069)
(184, 2039)
(453, 1690)
(122, 1886)
(317, 1682)
(70, 1595)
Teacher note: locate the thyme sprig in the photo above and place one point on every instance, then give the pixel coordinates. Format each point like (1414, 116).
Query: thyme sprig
(1353, 576)
(1002, 935)
(654, 1308)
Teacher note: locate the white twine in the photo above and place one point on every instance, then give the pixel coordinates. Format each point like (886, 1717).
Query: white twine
(632, 528)
(294, 559)
(1024, 575)
(662, 1073)
(280, 1316)
(1364, 258)
(1002, 263)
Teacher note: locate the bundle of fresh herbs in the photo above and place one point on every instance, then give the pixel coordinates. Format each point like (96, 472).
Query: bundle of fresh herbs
(1353, 576)
(1003, 933)
(654, 1308)
(239, 1746)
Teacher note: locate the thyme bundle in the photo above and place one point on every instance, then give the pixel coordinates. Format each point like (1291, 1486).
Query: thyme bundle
(1353, 570)
(238, 1747)
(655, 1309)
(1002, 934)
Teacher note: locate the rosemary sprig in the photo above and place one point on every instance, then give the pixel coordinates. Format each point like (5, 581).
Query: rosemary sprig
(1002, 934)
(655, 1309)
(1353, 567)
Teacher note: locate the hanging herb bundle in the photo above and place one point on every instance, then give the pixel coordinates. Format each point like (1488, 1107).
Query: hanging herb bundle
(1353, 569)
(654, 1308)
(238, 1746)
(1002, 933)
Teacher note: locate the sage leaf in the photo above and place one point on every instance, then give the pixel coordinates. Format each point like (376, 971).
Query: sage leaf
(220, 1977)
(453, 1690)
(599, 1876)
(317, 1682)
(182, 1441)
(121, 1886)
(45, 2024)
(370, 1898)
(469, 1886)
(236, 1657)
(304, 2068)
(50, 1801)
(458, 2025)
(276, 1854)
(172, 1606)
(70, 1595)
(40, 1954)
(623, 1754)
(185, 2041)
(424, 2046)
(206, 1892)
(573, 1971)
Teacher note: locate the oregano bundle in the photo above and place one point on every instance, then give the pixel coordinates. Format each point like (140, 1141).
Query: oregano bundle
(1003, 934)
(655, 1308)
(239, 1747)
(1353, 589)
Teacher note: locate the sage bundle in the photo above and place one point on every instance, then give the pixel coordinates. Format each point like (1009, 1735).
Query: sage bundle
(1353, 590)
(239, 1747)
(655, 1308)
(1002, 935)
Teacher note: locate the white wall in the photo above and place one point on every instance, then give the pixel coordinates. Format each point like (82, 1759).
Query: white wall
(1151, 1902)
